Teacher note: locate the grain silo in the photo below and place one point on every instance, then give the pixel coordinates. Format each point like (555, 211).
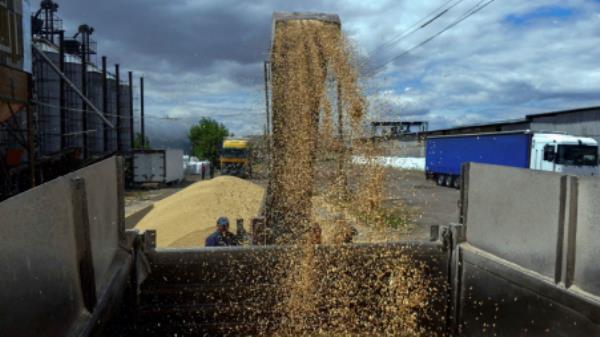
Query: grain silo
(95, 125)
(125, 117)
(111, 113)
(73, 132)
(47, 93)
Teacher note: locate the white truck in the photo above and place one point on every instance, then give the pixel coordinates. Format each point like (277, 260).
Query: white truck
(564, 154)
(158, 166)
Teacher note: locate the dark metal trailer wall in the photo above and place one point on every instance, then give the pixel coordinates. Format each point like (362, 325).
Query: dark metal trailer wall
(522, 263)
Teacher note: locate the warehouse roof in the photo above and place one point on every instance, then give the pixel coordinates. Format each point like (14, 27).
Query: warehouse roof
(480, 125)
(561, 112)
(526, 119)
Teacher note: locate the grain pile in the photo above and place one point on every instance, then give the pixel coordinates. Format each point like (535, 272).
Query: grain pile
(186, 218)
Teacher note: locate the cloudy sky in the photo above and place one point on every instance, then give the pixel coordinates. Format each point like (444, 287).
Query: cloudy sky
(204, 57)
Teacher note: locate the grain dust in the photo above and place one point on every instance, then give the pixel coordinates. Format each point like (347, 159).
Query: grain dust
(318, 122)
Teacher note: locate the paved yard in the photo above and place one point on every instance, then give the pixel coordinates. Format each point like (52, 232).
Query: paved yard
(433, 205)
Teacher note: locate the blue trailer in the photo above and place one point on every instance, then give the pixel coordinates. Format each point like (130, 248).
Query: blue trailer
(555, 152)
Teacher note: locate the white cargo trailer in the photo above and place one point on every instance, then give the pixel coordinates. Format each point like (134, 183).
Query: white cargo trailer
(157, 166)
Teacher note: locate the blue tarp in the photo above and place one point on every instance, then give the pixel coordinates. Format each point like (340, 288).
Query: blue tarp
(445, 155)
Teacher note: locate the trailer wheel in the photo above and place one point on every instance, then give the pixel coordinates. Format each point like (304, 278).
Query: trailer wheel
(449, 182)
(456, 182)
(441, 179)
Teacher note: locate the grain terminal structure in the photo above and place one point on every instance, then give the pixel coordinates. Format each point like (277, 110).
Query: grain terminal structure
(59, 109)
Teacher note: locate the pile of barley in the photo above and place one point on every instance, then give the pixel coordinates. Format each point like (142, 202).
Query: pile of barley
(187, 217)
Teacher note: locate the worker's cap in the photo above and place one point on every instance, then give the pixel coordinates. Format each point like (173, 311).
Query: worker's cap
(223, 222)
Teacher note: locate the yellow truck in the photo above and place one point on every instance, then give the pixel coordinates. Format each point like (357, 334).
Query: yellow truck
(235, 158)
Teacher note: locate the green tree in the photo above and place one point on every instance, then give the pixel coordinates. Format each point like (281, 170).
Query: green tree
(137, 142)
(206, 138)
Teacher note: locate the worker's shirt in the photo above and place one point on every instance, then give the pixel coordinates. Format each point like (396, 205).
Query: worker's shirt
(217, 239)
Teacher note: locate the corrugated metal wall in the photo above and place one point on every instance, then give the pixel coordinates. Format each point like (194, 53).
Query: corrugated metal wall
(516, 126)
(579, 123)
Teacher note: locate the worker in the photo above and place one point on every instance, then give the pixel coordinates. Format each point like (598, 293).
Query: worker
(222, 237)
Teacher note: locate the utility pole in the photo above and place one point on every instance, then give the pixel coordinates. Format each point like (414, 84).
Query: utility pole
(142, 122)
(30, 134)
(84, 123)
(341, 174)
(131, 129)
(340, 111)
(267, 97)
(105, 102)
(118, 97)
(62, 96)
(268, 116)
(85, 32)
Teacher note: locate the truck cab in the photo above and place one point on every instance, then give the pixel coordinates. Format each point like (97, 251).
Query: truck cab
(235, 158)
(563, 153)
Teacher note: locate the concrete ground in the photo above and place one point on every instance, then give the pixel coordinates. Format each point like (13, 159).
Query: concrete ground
(429, 203)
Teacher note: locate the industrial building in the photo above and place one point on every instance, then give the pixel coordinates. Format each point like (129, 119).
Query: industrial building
(395, 129)
(583, 122)
(59, 109)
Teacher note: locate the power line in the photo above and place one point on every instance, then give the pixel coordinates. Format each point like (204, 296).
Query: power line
(473, 10)
(411, 29)
(437, 13)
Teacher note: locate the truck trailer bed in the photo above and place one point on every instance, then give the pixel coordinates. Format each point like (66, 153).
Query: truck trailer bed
(509, 269)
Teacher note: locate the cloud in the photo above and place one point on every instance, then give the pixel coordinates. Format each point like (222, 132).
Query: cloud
(490, 68)
(204, 58)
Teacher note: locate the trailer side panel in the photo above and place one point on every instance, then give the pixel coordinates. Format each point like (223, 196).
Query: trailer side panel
(445, 155)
